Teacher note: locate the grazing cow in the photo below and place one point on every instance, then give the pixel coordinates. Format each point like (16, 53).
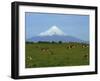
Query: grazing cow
(85, 56)
(44, 49)
(70, 46)
(47, 50)
(84, 46)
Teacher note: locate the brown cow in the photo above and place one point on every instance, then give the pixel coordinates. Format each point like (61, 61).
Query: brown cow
(85, 56)
(44, 49)
(47, 50)
(84, 46)
(70, 46)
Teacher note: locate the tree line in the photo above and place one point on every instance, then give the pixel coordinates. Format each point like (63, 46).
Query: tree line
(45, 42)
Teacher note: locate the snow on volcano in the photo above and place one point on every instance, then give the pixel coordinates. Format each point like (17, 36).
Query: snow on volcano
(54, 30)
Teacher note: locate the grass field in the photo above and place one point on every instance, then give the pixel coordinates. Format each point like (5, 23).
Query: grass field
(56, 54)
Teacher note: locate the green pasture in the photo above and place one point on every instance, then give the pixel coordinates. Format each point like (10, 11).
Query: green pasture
(56, 54)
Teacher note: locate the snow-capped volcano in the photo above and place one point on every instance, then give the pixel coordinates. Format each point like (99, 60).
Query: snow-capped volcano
(54, 34)
(54, 30)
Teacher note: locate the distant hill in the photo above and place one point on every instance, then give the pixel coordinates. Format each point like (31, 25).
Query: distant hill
(55, 38)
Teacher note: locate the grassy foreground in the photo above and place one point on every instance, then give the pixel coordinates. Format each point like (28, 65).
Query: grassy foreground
(56, 54)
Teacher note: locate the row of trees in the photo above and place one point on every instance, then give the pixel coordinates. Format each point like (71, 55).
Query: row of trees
(49, 42)
(54, 42)
(46, 42)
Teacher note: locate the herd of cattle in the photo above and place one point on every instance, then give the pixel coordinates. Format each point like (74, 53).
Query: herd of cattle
(47, 50)
(44, 49)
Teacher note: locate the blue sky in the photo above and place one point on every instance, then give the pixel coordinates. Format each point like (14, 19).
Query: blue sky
(73, 25)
